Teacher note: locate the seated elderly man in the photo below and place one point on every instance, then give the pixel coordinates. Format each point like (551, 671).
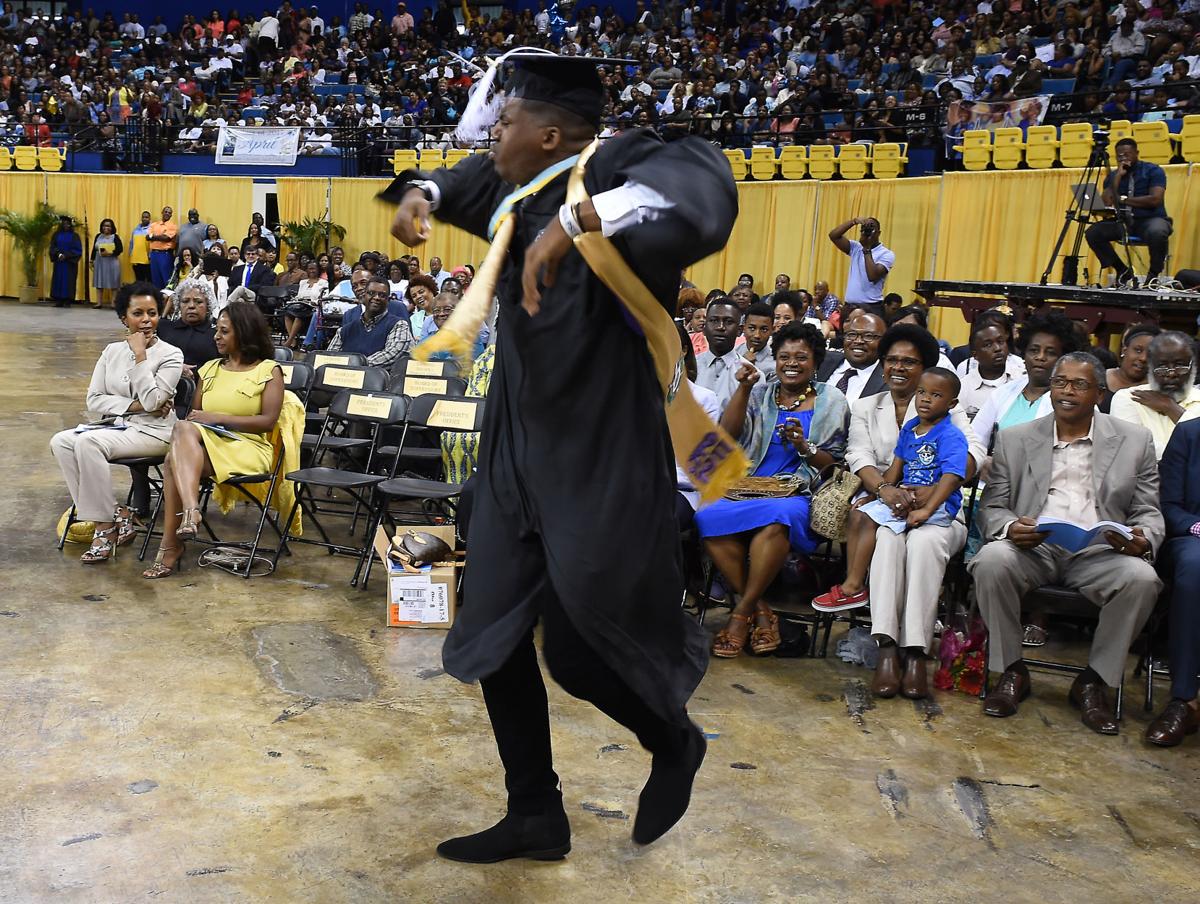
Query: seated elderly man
(1083, 466)
(379, 334)
(1180, 494)
(1173, 395)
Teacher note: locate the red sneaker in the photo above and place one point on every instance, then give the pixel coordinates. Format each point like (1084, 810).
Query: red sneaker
(837, 600)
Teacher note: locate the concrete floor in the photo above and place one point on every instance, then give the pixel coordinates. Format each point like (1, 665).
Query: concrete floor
(213, 739)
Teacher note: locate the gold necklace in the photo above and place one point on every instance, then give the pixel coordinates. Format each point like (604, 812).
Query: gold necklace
(800, 400)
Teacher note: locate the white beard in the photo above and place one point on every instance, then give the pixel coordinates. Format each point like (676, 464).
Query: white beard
(1179, 394)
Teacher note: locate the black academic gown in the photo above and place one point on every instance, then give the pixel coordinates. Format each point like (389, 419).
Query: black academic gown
(575, 492)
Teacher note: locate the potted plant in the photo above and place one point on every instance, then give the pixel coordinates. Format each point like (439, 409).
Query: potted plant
(31, 234)
(311, 236)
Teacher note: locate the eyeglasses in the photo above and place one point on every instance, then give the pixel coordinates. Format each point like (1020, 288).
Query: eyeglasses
(1166, 370)
(855, 335)
(1077, 385)
(902, 363)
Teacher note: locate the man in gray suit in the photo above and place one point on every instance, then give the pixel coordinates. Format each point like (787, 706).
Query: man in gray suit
(1083, 466)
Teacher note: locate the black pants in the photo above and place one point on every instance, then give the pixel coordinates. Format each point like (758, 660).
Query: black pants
(1154, 231)
(516, 703)
(1183, 558)
(141, 272)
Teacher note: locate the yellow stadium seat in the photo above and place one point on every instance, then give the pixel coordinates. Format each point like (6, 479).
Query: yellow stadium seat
(821, 161)
(793, 161)
(852, 161)
(1041, 147)
(888, 159)
(1007, 145)
(52, 159)
(737, 164)
(762, 163)
(25, 157)
(976, 149)
(1117, 129)
(6, 158)
(456, 155)
(1154, 142)
(431, 158)
(1075, 144)
(1189, 138)
(403, 160)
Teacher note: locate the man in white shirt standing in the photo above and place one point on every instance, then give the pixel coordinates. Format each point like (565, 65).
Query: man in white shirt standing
(870, 260)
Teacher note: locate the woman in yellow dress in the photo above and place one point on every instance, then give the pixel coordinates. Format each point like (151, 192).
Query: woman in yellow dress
(235, 409)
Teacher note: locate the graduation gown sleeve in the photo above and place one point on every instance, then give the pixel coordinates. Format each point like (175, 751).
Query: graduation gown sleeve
(470, 192)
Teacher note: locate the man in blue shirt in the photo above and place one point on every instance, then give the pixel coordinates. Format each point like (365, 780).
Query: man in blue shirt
(1136, 188)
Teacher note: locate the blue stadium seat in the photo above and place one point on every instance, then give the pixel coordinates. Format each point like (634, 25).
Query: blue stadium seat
(1058, 86)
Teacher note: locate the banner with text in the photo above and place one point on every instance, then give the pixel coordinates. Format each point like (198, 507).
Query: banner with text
(258, 146)
(970, 115)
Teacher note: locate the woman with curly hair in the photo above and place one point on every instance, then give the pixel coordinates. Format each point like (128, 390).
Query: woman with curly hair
(791, 427)
(241, 394)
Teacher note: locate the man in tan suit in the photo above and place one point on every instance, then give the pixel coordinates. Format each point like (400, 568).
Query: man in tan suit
(1084, 466)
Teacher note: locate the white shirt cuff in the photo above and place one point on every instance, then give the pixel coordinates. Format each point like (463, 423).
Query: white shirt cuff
(627, 206)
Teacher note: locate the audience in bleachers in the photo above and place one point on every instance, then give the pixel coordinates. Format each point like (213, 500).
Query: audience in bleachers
(746, 72)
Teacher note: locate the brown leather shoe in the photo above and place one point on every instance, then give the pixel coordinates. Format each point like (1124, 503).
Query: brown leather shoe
(1010, 690)
(1176, 722)
(915, 683)
(1093, 701)
(887, 673)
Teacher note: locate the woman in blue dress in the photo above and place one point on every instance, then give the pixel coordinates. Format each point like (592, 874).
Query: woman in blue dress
(790, 427)
(65, 252)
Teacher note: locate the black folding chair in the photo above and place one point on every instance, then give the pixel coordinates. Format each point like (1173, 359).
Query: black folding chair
(271, 300)
(430, 412)
(283, 353)
(297, 378)
(350, 407)
(350, 359)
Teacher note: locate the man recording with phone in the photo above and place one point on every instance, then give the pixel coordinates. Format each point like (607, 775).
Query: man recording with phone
(1135, 189)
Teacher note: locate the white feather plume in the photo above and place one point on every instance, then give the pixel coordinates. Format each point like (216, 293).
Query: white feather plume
(483, 105)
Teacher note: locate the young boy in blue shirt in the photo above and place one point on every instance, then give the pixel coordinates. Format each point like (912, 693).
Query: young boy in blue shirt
(931, 452)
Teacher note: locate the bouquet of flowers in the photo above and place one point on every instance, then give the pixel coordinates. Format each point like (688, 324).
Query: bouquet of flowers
(963, 665)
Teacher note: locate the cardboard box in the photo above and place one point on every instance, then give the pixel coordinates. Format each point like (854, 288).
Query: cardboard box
(424, 598)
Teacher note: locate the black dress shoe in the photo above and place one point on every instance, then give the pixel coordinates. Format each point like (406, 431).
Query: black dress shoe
(1176, 722)
(544, 836)
(1093, 702)
(915, 683)
(1011, 689)
(668, 790)
(886, 682)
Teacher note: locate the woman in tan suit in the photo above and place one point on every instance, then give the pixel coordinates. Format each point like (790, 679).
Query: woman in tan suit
(907, 569)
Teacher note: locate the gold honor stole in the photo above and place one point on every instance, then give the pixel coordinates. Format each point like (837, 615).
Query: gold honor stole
(713, 461)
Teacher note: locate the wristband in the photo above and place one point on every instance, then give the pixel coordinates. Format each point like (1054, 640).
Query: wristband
(570, 223)
(882, 486)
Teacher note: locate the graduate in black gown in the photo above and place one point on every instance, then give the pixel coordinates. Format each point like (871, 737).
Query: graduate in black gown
(573, 507)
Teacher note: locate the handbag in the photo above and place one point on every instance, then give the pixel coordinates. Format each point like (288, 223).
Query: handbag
(830, 508)
(765, 487)
(417, 548)
(79, 532)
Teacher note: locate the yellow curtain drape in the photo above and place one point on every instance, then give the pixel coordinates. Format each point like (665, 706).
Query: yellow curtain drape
(353, 204)
(223, 200)
(19, 192)
(120, 198)
(772, 235)
(302, 198)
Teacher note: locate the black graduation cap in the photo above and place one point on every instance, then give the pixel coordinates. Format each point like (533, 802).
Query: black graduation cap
(570, 82)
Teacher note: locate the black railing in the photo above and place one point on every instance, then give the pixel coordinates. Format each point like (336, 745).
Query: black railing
(366, 150)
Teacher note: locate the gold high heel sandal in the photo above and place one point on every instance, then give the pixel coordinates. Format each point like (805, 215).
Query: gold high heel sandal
(189, 525)
(161, 569)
